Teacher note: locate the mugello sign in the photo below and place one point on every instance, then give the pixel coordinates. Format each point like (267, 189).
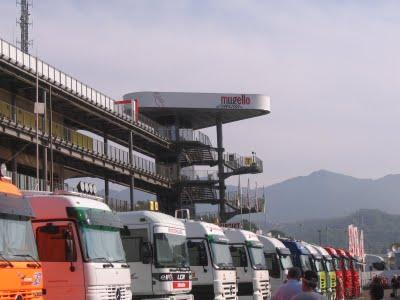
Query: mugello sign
(201, 100)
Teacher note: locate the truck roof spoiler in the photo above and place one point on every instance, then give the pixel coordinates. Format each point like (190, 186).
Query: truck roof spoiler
(182, 214)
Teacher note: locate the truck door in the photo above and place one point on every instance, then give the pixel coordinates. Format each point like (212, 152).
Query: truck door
(139, 255)
(59, 254)
(241, 261)
(201, 268)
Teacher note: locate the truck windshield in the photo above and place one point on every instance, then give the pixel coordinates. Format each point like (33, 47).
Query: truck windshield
(318, 265)
(17, 242)
(286, 261)
(329, 265)
(346, 264)
(221, 255)
(257, 257)
(102, 244)
(171, 250)
(305, 262)
(336, 264)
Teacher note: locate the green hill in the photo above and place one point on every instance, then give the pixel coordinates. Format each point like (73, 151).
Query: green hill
(380, 229)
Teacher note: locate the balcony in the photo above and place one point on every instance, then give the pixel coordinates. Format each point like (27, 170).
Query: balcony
(36, 67)
(236, 164)
(78, 140)
(199, 176)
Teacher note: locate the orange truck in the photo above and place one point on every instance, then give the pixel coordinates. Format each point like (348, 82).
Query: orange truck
(20, 271)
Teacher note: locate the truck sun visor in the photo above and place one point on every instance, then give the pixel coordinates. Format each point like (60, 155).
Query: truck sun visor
(217, 238)
(95, 217)
(18, 206)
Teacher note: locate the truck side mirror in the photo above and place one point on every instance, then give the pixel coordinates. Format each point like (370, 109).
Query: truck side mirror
(243, 259)
(190, 244)
(69, 249)
(125, 231)
(146, 252)
(203, 258)
(69, 246)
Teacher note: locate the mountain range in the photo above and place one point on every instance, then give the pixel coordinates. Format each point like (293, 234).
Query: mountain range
(321, 194)
(325, 194)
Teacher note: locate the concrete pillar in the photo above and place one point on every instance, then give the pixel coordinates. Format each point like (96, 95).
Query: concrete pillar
(221, 176)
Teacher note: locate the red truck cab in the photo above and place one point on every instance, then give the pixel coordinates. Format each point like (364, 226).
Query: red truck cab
(355, 274)
(339, 272)
(347, 274)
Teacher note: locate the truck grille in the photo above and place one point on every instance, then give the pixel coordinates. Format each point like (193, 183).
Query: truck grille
(230, 290)
(110, 292)
(25, 294)
(323, 284)
(333, 282)
(265, 289)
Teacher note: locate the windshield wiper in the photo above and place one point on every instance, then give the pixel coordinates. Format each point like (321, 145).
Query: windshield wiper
(109, 263)
(30, 256)
(6, 260)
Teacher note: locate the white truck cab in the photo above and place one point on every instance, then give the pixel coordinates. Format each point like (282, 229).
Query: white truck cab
(156, 251)
(278, 260)
(248, 258)
(213, 272)
(80, 247)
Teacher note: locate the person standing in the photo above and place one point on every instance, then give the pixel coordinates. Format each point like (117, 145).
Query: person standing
(291, 287)
(376, 290)
(309, 284)
(395, 285)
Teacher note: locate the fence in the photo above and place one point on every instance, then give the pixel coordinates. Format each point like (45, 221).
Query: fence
(82, 141)
(46, 72)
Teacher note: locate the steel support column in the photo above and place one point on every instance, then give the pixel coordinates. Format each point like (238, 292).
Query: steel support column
(106, 190)
(14, 165)
(45, 166)
(106, 181)
(178, 164)
(132, 181)
(221, 176)
(51, 142)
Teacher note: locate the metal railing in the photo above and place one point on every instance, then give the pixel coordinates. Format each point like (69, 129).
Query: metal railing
(236, 161)
(187, 134)
(46, 72)
(194, 136)
(77, 139)
(247, 201)
(203, 175)
(118, 204)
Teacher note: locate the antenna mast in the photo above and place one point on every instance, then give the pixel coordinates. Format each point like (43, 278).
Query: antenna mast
(24, 24)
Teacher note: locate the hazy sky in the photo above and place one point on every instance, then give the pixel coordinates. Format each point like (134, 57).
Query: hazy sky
(330, 67)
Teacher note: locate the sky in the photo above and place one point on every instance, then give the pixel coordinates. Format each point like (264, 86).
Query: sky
(331, 68)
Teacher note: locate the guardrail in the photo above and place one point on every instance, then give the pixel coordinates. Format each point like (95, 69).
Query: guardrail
(44, 71)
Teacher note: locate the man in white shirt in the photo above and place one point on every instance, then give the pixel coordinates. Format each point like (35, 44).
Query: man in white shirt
(291, 287)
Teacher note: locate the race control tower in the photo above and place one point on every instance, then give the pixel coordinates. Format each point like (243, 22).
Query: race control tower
(181, 115)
